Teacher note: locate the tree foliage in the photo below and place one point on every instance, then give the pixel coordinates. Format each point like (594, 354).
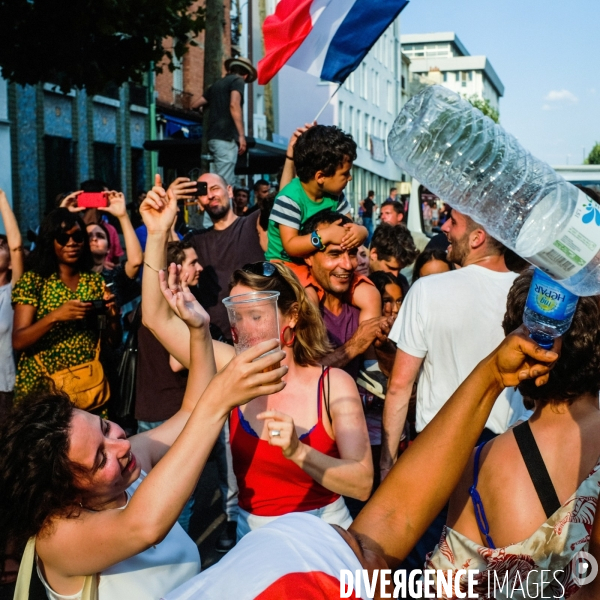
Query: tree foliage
(91, 43)
(594, 156)
(483, 104)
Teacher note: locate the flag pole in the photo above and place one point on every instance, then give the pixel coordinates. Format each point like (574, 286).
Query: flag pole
(328, 101)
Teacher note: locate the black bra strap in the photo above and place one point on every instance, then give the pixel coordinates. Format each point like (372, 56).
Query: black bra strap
(537, 469)
(327, 398)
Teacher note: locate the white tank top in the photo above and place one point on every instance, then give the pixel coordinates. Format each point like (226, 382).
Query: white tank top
(149, 575)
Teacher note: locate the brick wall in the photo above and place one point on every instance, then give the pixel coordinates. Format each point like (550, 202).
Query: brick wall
(193, 63)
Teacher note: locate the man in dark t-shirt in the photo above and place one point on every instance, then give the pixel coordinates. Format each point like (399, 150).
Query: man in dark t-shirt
(368, 204)
(225, 99)
(228, 245)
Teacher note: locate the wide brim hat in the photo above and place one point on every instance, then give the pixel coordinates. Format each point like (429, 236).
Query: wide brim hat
(240, 61)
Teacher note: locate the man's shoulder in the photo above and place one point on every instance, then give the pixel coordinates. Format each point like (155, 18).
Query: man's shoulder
(462, 288)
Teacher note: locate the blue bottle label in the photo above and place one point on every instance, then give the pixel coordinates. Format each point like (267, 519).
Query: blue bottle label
(547, 297)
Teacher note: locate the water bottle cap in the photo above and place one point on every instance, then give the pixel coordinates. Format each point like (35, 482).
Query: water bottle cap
(542, 340)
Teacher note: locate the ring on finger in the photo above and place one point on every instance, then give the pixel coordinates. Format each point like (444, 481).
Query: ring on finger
(275, 433)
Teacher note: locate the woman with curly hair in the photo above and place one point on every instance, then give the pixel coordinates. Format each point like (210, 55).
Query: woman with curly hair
(96, 510)
(526, 502)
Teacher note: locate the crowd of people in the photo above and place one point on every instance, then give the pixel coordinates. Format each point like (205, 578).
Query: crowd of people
(395, 423)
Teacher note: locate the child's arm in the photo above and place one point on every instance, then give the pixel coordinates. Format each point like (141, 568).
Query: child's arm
(355, 235)
(300, 245)
(367, 299)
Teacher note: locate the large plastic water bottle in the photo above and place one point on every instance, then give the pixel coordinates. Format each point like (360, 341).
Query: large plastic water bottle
(474, 165)
(549, 309)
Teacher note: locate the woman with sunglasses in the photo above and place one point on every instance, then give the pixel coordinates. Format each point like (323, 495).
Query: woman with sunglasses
(302, 449)
(54, 325)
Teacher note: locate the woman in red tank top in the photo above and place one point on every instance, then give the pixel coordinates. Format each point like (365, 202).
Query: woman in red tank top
(299, 450)
(303, 448)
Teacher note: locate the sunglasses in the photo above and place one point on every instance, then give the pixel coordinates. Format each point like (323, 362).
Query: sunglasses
(264, 269)
(62, 237)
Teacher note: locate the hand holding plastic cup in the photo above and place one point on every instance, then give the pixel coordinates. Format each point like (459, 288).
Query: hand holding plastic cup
(253, 318)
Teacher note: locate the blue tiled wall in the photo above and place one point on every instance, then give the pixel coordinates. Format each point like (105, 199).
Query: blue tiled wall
(58, 115)
(82, 147)
(105, 124)
(138, 130)
(27, 157)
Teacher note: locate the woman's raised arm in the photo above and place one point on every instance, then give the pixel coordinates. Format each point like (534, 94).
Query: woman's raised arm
(421, 481)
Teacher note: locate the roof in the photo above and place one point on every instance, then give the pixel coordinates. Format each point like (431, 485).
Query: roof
(433, 38)
(460, 63)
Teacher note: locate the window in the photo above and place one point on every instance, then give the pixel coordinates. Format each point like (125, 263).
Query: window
(351, 121)
(367, 130)
(138, 171)
(465, 76)
(376, 98)
(107, 164)
(341, 116)
(177, 74)
(364, 83)
(359, 129)
(390, 97)
(60, 169)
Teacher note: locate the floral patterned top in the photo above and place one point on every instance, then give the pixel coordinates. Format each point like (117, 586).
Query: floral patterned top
(68, 343)
(545, 562)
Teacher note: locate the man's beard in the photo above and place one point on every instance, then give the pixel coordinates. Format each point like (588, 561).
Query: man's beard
(459, 251)
(218, 212)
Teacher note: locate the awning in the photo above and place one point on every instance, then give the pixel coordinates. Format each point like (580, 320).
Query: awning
(262, 157)
(174, 125)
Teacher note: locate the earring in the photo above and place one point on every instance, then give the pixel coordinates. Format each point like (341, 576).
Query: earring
(289, 342)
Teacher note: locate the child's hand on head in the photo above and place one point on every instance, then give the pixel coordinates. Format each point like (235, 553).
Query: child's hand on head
(354, 235)
(332, 233)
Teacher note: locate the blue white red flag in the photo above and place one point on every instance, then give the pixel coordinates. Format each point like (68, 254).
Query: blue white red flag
(326, 38)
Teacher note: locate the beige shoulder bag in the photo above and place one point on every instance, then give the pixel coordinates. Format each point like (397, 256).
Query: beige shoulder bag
(85, 384)
(90, 584)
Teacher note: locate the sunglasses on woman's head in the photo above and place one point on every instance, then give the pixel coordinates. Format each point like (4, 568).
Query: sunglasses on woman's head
(62, 237)
(265, 269)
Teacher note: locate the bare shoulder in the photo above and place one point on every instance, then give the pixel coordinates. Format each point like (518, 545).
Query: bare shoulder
(342, 387)
(368, 291)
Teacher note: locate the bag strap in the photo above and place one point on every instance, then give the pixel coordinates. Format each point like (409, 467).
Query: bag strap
(90, 584)
(25, 571)
(38, 360)
(537, 468)
(327, 395)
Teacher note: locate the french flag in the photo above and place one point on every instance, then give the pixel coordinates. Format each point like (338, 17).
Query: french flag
(326, 38)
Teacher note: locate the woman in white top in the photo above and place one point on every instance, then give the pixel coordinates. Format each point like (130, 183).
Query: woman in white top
(68, 477)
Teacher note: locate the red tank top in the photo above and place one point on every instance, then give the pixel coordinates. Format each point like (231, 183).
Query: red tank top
(269, 484)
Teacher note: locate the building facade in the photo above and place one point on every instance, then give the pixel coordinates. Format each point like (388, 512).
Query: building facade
(442, 58)
(58, 140)
(5, 150)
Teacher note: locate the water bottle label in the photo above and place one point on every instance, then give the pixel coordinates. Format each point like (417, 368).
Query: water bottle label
(549, 298)
(577, 245)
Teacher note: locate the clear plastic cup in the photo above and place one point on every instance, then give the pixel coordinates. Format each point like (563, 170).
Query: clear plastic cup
(253, 318)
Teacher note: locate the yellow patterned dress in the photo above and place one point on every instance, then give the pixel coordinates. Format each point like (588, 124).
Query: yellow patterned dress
(68, 343)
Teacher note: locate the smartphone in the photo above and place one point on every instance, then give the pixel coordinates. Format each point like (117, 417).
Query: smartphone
(201, 189)
(92, 199)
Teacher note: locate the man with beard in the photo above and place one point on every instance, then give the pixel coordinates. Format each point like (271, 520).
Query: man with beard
(228, 245)
(447, 324)
(332, 270)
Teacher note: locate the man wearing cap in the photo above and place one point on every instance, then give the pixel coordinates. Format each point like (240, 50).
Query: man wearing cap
(225, 99)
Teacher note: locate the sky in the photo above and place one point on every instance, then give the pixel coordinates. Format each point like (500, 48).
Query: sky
(547, 55)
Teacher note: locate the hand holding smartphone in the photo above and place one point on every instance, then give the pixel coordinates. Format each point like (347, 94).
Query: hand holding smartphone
(92, 200)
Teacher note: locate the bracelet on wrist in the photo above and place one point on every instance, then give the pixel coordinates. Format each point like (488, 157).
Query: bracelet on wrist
(151, 267)
(290, 157)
